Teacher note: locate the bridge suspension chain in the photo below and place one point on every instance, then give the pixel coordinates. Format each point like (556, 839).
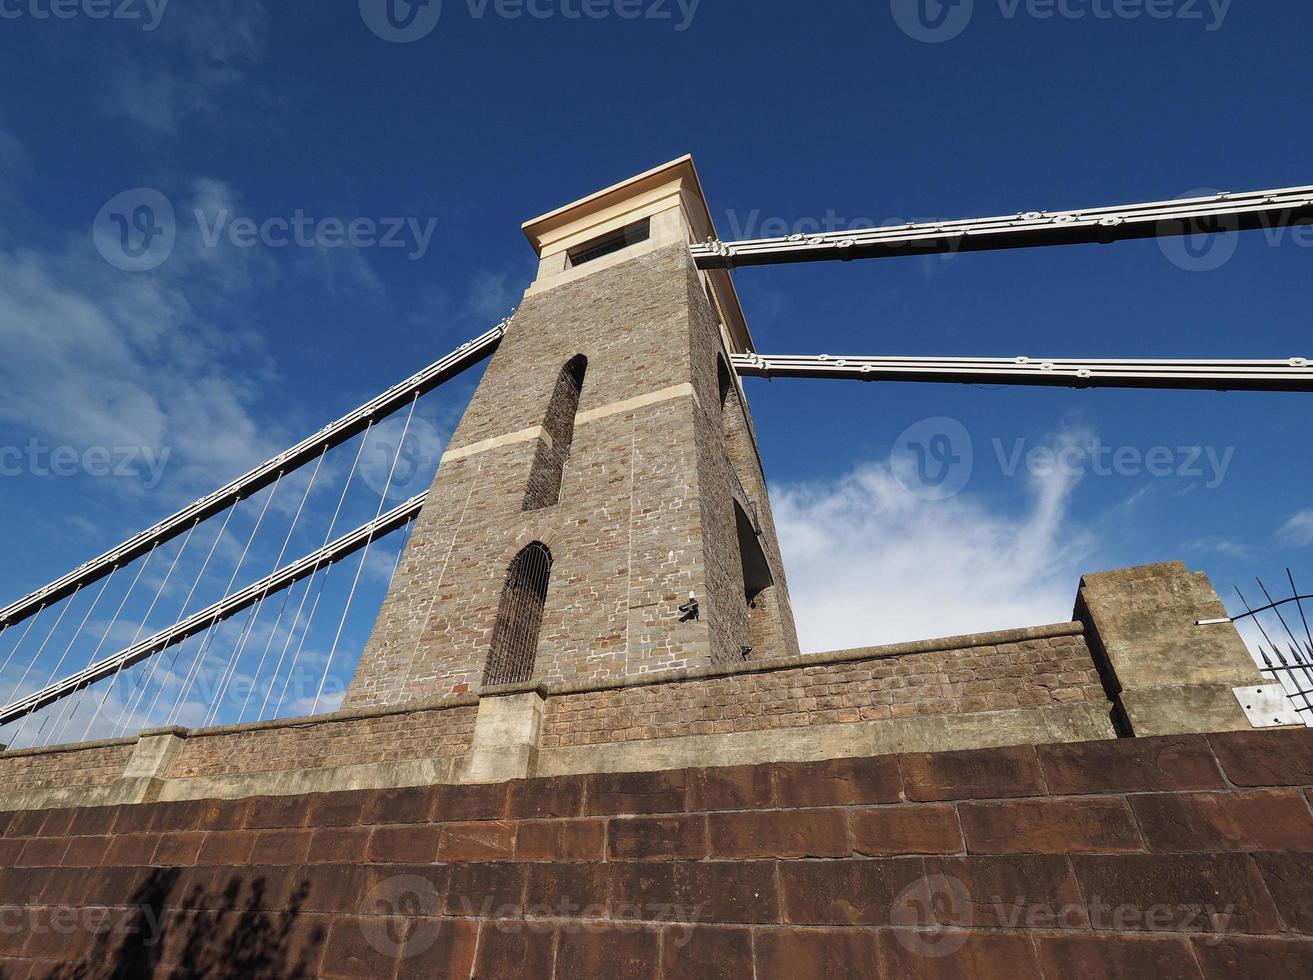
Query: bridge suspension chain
(1161, 219)
(1295, 374)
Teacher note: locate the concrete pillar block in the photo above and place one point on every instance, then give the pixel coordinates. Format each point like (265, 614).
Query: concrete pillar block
(148, 767)
(1165, 674)
(507, 733)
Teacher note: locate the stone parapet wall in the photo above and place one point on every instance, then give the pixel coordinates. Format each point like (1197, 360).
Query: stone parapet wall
(89, 765)
(872, 685)
(438, 733)
(1033, 685)
(1172, 857)
(1019, 678)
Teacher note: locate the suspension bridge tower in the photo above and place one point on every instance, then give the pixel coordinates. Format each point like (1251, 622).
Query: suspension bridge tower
(601, 513)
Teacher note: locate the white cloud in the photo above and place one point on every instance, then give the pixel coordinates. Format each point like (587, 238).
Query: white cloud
(869, 563)
(97, 357)
(1300, 528)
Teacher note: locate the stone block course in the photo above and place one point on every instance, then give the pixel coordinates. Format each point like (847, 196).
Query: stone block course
(1065, 826)
(1130, 765)
(1245, 821)
(985, 774)
(750, 871)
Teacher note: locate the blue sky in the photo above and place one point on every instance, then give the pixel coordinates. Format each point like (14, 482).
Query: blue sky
(797, 114)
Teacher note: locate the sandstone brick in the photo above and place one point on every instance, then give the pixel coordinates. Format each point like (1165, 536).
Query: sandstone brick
(1050, 827)
(404, 845)
(227, 847)
(779, 834)
(1272, 758)
(1111, 957)
(477, 842)
(274, 812)
(178, 849)
(706, 953)
(1289, 880)
(439, 950)
(338, 845)
(409, 805)
(568, 891)
(281, 847)
(846, 892)
(657, 838)
(1185, 888)
(978, 955)
(602, 952)
(55, 823)
(353, 950)
(981, 774)
(1236, 958)
(637, 793)
(334, 888)
(732, 788)
(841, 782)
(728, 893)
(514, 951)
(338, 809)
(1253, 821)
(48, 852)
(560, 840)
(470, 803)
(86, 852)
(815, 954)
(1011, 892)
(545, 798)
(1130, 765)
(907, 829)
(494, 890)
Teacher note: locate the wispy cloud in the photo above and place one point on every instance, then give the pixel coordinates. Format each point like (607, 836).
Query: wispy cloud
(869, 563)
(96, 357)
(1299, 528)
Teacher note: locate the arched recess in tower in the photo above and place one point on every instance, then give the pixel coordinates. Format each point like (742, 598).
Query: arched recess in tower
(758, 582)
(554, 451)
(519, 618)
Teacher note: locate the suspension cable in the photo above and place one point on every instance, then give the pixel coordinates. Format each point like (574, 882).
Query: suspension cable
(109, 688)
(364, 555)
(314, 608)
(241, 562)
(273, 632)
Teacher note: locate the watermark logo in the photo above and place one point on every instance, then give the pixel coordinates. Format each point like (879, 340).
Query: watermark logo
(923, 909)
(399, 916)
(406, 21)
(147, 13)
(143, 464)
(1209, 244)
(934, 458)
(937, 21)
(1096, 458)
(136, 231)
(401, 21)
(402, 468)
(933, 21)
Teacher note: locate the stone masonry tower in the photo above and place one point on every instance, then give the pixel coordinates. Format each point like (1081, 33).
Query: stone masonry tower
(601, 513)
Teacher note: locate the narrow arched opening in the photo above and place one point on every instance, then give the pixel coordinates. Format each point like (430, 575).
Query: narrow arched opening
(519, 618)
(548, 471)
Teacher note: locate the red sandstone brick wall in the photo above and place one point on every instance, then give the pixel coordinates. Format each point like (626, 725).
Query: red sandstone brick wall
(1164, 858)
(84, 767)
(1030, 674)
(438, 734)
